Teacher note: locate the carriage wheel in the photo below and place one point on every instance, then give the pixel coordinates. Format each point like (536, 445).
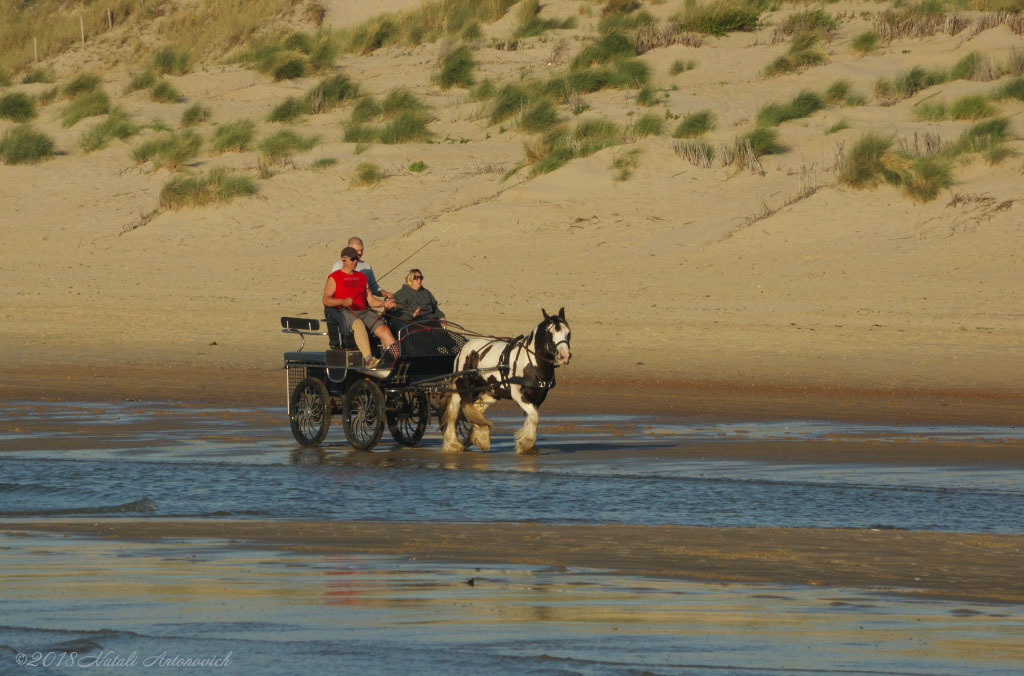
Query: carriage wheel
(363, 414)
(311, 412)
(407, 416)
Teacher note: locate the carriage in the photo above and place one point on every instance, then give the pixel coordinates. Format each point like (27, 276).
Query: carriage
(425, 374)
(403, 392)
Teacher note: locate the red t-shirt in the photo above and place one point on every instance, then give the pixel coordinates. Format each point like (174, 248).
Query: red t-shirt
(350, 286)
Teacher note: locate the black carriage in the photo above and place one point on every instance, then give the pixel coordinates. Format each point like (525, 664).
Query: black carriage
(402, 392)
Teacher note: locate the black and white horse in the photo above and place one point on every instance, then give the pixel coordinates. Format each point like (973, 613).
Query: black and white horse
(521, 369)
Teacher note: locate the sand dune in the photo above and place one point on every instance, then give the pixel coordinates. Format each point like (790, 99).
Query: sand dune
(678, 273)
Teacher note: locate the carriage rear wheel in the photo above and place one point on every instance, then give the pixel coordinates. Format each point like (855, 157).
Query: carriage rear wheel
(311, 412)
(408, 413)
(362, 414)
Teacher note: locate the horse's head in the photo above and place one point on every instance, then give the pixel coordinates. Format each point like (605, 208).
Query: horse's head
(555, 334)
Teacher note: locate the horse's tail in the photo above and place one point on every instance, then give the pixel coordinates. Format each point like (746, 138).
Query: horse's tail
(445, 400)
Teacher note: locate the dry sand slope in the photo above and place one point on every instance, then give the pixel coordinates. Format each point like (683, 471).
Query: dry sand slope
(672, 274)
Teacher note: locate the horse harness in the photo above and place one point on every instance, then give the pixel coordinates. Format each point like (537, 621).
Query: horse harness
(505, 363)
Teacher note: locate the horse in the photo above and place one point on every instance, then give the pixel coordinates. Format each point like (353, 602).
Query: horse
(521, 369)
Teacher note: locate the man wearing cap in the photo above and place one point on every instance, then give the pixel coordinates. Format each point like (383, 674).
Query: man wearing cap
(348, 298)
(365, 268)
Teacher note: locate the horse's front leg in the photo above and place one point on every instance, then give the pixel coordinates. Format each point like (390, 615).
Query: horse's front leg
(451, 416)
(526, 436)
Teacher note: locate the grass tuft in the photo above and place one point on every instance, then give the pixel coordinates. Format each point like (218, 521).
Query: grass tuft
(17, 107)
(324, 163)
(25, 145)
(89, 104)
(171, 150)
(865, 43)
(650, 124)
(86, 82)
(588, 137)
(539, 117)
(680, 66)
(801, 54)
(695, 124)
(508, 101)
(973, 107)
(1014, 89)
(164, 92)
(408, 126)
(905, 85)
(862, 165)
(143, 80)
(171, 61)
(624, 163)
(5, 78)
(605, 49)
(838, 126)
(280, 146)
(330, 93)
(810, 21)
(365, 110)
(195, 114)
(456, 68)
(367, 173)
(719, 17)
(117, 125)
(234, 136)
(289, 110)
(195, 191)
(763, 141)
(418, 166)
(530, 23)
(804, 104)
(39, 75)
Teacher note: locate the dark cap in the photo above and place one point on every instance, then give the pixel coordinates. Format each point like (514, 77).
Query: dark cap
(350, 252)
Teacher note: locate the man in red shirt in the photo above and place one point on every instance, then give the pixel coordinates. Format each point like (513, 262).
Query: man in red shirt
(346, 293)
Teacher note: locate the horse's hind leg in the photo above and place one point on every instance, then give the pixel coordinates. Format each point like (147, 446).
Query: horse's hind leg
(451, 415)
(481, 435)
(526, 436)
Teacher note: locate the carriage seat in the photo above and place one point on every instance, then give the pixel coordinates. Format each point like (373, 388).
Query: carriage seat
(343, 340)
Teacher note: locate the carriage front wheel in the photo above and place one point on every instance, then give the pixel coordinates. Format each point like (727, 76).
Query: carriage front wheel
(408, 413)
(363, 414)
(311, 412)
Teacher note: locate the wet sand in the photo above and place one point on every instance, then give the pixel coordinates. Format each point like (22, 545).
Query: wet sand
(944, 565)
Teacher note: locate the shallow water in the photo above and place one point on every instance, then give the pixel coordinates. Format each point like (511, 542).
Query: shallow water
(168, 460)
(119, 604)
(274, 612)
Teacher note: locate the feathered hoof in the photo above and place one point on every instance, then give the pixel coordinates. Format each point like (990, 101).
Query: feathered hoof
(453, 447)
(526, 450)
(481, 438)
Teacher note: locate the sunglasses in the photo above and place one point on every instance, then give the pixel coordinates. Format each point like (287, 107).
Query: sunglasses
(417, 276)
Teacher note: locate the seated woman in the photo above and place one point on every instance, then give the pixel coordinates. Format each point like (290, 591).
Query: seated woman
(416, 303)
(346, 294)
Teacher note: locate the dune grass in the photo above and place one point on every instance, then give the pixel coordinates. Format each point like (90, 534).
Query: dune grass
(367, 173)
(625, 21)
(195, 114)
(650, 124)
(624, 163)
(801, 55)
(456, 69)
(607, 48)
(404, 116)
(39, 75)
(804, 104)
(906, 84)
(679, 66)
(531, 25)
(862, 165)
(366, 109)
(17, 107)
(695, 124)
(171, 61)
(426, 23)
(289, 110)
(170, 150)
(763, 141)
(143, 80)
(89, 104)
(837, 127)
(561, 145)
(509, 100)
(540, 116)
(117, 125)
(331, 92)
(1014, 89)
(871, 161)
(81, 84)
(407, 126)
(841, 92)
(24, 145)
(418, 167)
(164, 92)
(623, 73)
(719, 17)
(219, 185)
(809, 21)
(5, 78)
(865, 42)
(234, 136)
(281, 145)
(972, 107)
(288, 56)
(324, 163)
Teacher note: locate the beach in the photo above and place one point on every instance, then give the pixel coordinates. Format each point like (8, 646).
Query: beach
(790, 397)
